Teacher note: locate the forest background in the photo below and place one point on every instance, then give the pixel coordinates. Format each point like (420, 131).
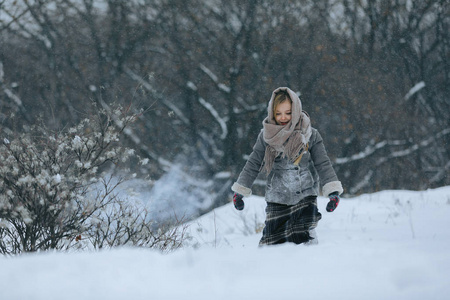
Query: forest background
(373, 75)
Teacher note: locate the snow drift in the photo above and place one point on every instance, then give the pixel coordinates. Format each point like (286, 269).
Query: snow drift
(387, 245)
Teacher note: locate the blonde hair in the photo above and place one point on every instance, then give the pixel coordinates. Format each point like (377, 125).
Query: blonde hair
(280, 97)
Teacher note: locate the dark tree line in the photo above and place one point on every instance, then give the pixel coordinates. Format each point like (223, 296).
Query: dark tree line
(373, 75)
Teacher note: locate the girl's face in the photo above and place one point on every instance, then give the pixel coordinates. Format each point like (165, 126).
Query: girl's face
(283, 113)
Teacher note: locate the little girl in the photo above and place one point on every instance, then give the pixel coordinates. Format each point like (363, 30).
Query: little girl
(292, 154)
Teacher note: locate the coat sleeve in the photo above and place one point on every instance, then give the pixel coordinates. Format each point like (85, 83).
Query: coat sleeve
(251, 169)
(329, 182)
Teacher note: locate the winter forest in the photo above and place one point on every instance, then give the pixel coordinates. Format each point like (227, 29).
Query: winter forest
(137, 89)
(123, 125)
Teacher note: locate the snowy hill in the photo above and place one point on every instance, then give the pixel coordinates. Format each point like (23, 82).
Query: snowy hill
(387, 245)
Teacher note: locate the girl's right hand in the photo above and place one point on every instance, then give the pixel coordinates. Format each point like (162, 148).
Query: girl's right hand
(238, 202)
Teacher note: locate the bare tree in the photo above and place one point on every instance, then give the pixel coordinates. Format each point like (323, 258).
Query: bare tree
(366, 72)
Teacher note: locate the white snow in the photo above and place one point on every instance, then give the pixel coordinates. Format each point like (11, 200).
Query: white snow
(57, 178)
(387, 245)
(77, 143)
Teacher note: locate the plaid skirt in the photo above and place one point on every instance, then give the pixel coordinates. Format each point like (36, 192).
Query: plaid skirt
(290, 223)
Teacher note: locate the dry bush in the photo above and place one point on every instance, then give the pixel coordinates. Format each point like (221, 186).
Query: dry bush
(54, 194)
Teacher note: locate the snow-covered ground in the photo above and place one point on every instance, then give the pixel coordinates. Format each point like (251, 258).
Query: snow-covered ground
(387, 245)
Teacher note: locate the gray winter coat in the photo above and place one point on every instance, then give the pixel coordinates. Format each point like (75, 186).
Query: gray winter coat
(287, 183)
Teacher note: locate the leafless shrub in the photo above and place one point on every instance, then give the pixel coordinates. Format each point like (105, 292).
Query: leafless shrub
(53, 194)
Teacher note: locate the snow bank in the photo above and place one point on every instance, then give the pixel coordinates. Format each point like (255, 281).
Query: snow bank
(387, 245)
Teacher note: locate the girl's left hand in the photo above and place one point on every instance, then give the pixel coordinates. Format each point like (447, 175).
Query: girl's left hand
(334, 201)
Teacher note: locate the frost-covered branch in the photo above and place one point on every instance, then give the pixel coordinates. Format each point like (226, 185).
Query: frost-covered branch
(7, 91)
(248, 108)
(215, 114)
(368, 151)
(129, 223)
(222, 87)
(25, 29)
(416, 88)
(441, 173)
(367, 179)
(414, 148)
(166, 164)
(11, 17)
(134, 138)
(157, 95)
(212, 111)
(371, 149)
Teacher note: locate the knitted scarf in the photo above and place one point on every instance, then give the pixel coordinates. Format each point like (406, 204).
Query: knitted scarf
(290, 139)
